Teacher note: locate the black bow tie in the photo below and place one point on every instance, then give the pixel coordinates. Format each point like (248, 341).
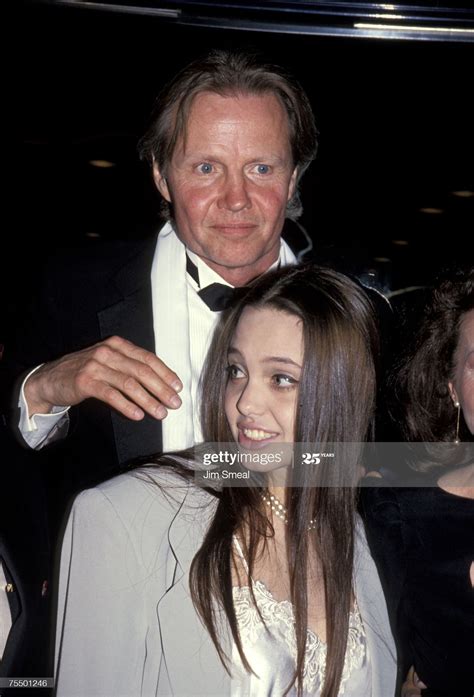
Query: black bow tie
(217, 296)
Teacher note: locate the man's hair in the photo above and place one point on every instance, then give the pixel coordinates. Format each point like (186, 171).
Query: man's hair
(229, 73)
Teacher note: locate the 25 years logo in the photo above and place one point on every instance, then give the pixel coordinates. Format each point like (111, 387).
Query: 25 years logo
(310, 458)
(314, 458)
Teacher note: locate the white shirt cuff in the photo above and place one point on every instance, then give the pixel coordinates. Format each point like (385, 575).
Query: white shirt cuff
(39, 429)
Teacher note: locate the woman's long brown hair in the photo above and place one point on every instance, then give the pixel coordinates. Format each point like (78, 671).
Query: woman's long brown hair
(335, 404)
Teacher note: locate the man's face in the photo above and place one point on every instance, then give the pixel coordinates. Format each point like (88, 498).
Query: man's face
(229, 181)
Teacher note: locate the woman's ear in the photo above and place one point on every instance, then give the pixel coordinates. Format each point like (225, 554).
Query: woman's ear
(161, 183)
(453, 393)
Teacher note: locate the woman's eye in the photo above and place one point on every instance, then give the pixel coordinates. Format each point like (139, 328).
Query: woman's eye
(284, 380)
(235, 372)
(205, 168)
(262, 169)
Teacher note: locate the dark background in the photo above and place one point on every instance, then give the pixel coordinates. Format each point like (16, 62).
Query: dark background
(396, 137)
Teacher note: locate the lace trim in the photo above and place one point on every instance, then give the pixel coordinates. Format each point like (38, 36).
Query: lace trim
(279, 614)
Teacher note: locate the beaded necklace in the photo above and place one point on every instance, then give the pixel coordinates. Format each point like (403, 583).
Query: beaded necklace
(280, 510)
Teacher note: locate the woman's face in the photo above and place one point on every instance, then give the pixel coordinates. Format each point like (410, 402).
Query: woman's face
(265, 362)
(462, 386)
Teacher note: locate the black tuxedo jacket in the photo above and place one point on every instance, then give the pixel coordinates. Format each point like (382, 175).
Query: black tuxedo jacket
(25, 558)
(83, 297)
(86, 296)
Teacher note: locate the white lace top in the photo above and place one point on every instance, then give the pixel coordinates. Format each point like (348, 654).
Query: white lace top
(271, 649)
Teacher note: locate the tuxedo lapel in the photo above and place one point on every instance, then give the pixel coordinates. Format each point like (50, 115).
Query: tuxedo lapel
(190, 659)
(131, 317)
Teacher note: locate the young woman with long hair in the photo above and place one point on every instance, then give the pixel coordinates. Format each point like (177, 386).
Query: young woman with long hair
(175, 582)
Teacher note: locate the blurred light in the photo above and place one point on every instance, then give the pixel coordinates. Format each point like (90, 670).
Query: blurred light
(432, 211)
(92, 234)
(377, 16)
(102, 164)
(400, 243)
(463, 194)
(403, 27)
(382, 260)
(400, 291)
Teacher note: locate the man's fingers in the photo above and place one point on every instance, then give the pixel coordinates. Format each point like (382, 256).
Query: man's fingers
(134, 378)
(149, 359)
(121, 391)
(108, 372)
(145, 367)
(144, 375)
(116, 399)
(161, 369)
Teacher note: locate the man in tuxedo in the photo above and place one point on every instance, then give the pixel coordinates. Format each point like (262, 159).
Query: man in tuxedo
(105, 367)
(120, 334)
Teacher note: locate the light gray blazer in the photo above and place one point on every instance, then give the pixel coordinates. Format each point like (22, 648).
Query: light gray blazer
(126, 624)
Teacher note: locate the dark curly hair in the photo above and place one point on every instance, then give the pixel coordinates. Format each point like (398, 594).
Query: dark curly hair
(423, 402)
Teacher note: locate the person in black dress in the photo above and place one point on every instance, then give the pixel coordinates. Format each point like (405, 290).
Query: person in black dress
(422, 535)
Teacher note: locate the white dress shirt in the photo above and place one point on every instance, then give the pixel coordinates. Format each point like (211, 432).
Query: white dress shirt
(183, 326)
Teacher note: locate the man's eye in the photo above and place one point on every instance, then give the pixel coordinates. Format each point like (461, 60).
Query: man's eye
(205, 168)
(262, 169)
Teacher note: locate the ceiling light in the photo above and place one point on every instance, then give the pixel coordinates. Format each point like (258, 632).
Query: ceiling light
(102, 164)
(463, 193)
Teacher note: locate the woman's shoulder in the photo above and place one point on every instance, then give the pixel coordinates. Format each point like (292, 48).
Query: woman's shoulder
(149, 497)
(459, 482)
(137, 514)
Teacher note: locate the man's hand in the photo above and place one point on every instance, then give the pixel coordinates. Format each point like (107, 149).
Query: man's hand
(412, 686)
(115, 371)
